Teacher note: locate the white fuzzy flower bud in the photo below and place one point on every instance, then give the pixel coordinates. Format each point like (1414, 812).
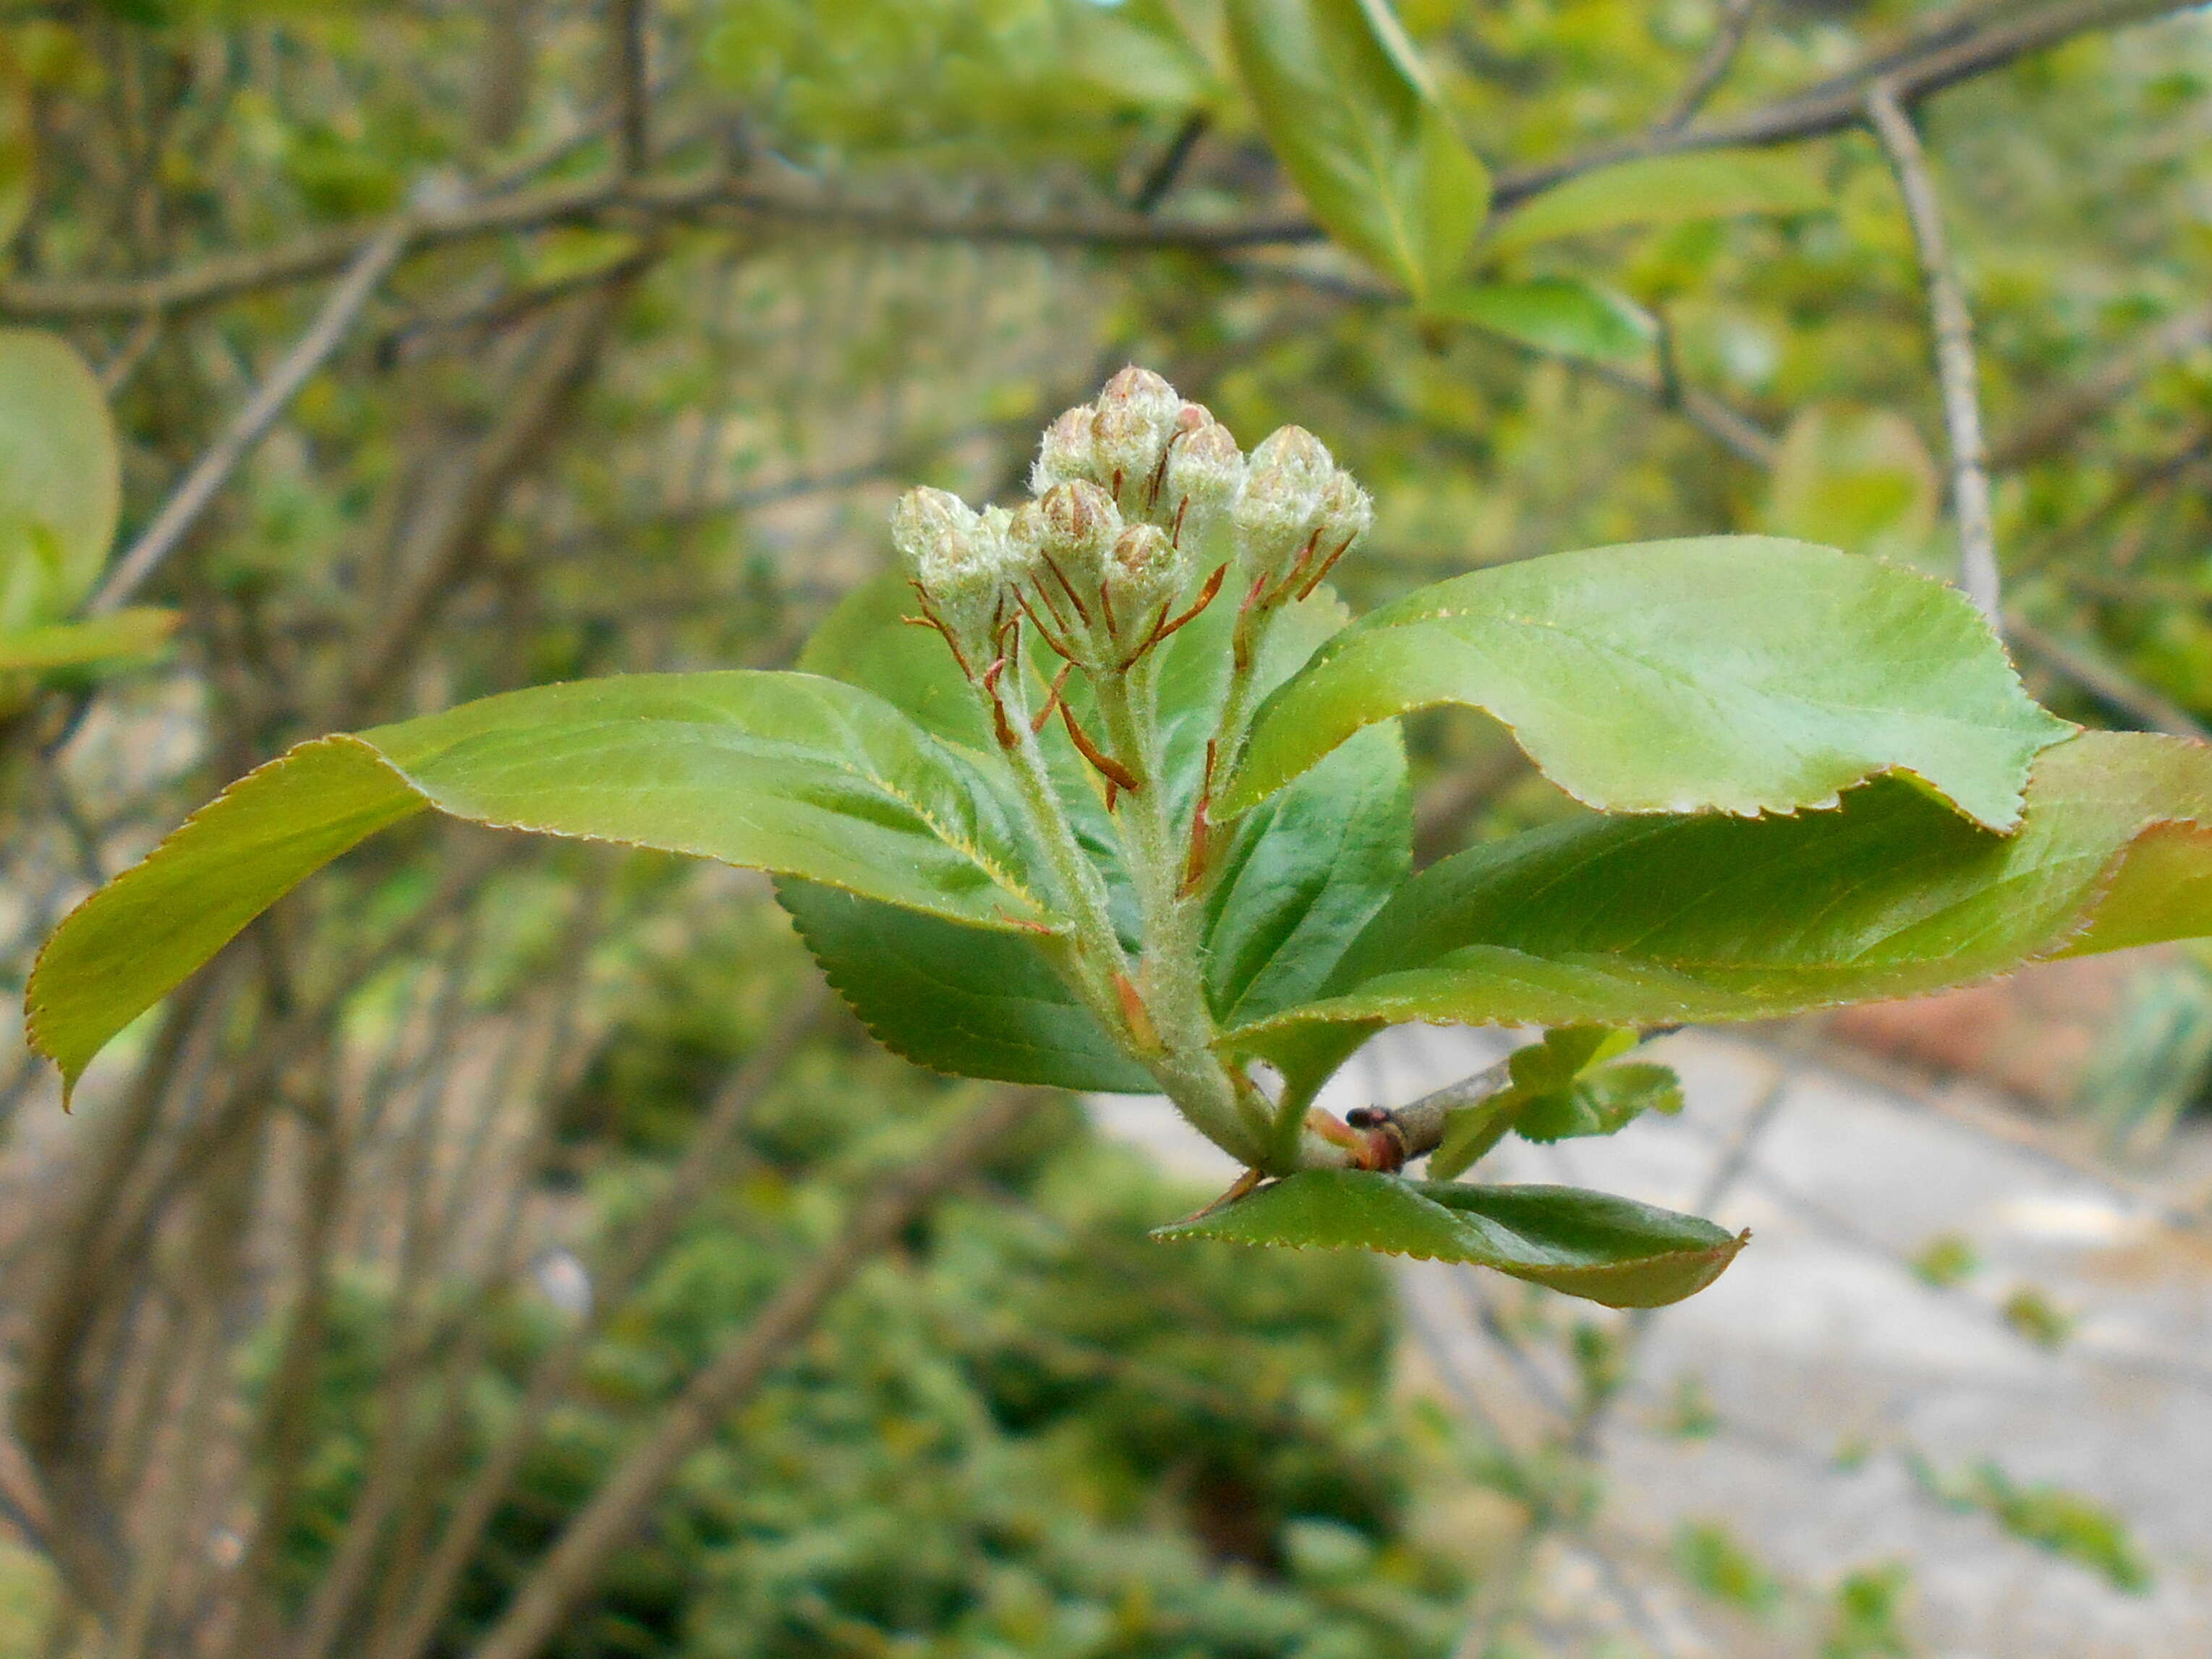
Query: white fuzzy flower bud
(1294, 498)
(1136, 417)
(1067, 452)
(1205, 471)
(1297, 452)
(1346, 513)
(928, 526)
(1072, 525)
(959, 560)
(1143, 570)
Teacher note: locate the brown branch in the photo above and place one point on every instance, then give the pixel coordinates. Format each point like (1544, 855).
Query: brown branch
(182, 510)
(2059, 414)
(1954, 49)
(1713, 68)
(2105, 682)
(1921, 64)
(450, 528)
(632, 21)
(703, 1160)
(603, 1526)
(1956, 371)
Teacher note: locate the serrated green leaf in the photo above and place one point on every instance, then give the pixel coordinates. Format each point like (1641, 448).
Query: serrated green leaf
(1592, 1245)
(1306, 872)
(996, 1001)
(1561, 1089)
(60, 478)
(1563, 315)
(1602, 1102)
(1340, 95)
(1303, 875)
(1664, 190)
(1737, 674)
(789, 772)
(1649, 921)
(128, 633)
(965, 1001)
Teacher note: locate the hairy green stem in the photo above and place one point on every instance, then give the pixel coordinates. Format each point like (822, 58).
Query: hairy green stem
(1173, 981)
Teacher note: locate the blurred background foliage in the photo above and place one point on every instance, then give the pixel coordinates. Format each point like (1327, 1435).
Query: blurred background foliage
(689, 291)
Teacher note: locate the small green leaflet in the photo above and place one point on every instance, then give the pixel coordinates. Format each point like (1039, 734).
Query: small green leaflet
(1344, 102)
(1563, 315)
(1561, 1089)
(1737, 674)
(131, 632)
(1664, 190)
(60, 479)
(1592, 1245)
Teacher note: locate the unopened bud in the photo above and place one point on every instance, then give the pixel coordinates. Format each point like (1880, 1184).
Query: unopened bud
(1067, 452)
(1143, 569)
(1140, 388)
(1205, 469)
(1346, 512)
(1072, 524)
(1297, 452)
(1136, 416)
(958, 559)
(928, 527)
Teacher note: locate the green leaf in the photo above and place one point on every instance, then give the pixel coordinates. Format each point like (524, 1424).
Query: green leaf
(128, 633)
(1732, 673)
(1305, 873)
(1856, 477)
(1561, 1089)
(60, 478)
(1664, 190)
(964, 1001)
(1592, 1245)
(999, 1001)
(1653, 920)
(789, 772)
(1562, 315)
(1342, 99)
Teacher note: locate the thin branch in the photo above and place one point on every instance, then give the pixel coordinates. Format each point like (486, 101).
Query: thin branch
(1160, 178)
(1921, 64)
(703, 1160)
(451, 527)
(2059, 414)
(1954, 49)
(1955, 369)
(2105, 682)
(572, 1567)
(179, 514)
(631, 23)
(1713, 68)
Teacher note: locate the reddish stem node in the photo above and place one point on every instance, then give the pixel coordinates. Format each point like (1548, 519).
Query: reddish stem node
(1043, 716)
(1108, 767)
(1327, 565)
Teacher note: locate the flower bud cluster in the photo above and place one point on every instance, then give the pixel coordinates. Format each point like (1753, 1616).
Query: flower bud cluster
(1136, 495)
(1296, 515)
(1162, 461)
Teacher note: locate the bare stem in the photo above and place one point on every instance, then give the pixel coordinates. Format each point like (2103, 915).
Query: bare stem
(1955, 369)
(205, 480)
